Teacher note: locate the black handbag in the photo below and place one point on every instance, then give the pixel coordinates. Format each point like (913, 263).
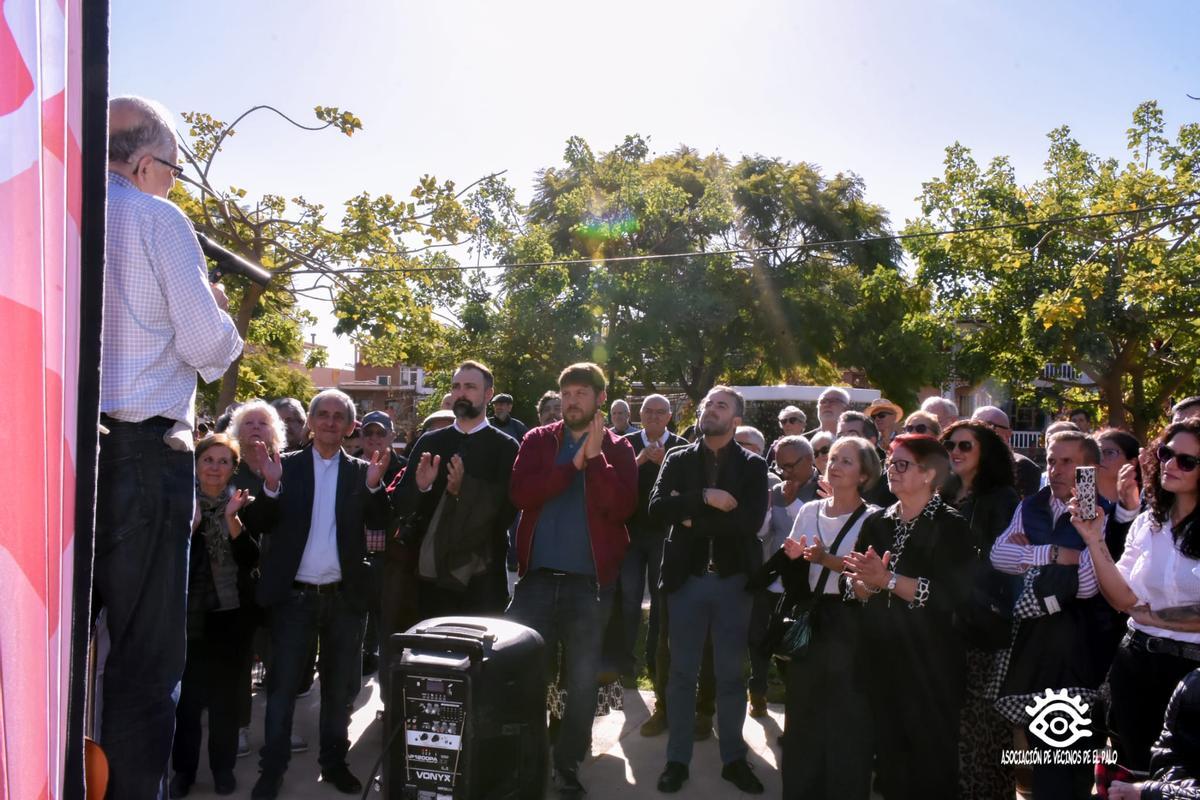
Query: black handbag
(790, 628)
(985, 620)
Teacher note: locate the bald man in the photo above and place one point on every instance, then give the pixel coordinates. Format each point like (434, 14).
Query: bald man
(1029, 476)
(619, 418)
(163, 324)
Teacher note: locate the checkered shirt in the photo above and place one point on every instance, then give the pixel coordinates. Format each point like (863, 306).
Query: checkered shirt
(161, 323)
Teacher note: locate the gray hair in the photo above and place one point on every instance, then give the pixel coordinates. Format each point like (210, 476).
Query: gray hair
(792, 411)
(940, 406)
(983, 412)
(650, 397)
(278, 433)
(819, 438)
(799, 442)
(153, 131)
(835, 391)
(754, 434)
(620, 403)
(336, 394)
(292, 404)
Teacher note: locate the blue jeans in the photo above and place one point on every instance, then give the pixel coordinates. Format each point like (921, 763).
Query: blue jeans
(296, 624)
(144, 500)
(703, 604)
(571, 610)
(642, 561)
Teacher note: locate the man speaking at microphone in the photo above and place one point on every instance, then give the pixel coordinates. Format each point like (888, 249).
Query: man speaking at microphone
(163, 324)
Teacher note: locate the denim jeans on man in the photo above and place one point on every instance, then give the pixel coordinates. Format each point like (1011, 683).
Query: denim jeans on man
(567, 609)
(145, 495)
(642, 562)
(305, 617)
(722, 605)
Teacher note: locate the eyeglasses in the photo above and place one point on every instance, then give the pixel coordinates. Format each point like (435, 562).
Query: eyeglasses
(176, 170)
(882, 414)
(1182, 460)
(785, 467)
(792, 421)
(994, 425)
(965, 445)
(821, 451)
(920, 427)
(900, 465)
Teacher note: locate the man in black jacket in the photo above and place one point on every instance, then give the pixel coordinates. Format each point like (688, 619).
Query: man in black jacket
(713, 495)
(650, 444)
(315, 506)
(454, 496)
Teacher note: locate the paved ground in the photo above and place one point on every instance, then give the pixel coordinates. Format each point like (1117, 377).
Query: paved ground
(624, 764)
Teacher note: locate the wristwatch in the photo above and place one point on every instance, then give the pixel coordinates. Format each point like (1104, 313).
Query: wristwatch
(891, 584)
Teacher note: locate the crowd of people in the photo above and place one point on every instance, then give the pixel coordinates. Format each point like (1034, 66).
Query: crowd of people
(924, 592)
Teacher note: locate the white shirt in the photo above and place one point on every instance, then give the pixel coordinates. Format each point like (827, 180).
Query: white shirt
(813, 520)
(1158, 573)
(476, 429)
(661, 440)
(320, 562)
(161, 323)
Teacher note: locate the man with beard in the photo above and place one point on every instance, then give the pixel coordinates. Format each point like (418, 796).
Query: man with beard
(713, 495)
(576, 483)
(503, 420)
(454, 497)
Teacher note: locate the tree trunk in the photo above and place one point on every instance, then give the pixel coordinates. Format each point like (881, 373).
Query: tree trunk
(242, 322)
(1140, 421)
(1112, 395)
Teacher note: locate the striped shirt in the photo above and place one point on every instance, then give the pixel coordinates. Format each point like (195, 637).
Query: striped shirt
(161, 323)
(1014, 558)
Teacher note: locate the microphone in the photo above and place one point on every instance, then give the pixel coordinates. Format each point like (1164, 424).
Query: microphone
(230, 262)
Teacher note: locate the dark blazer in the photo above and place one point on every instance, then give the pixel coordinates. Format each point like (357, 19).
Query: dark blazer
(733, 535)
(640, 523)
(287, 518)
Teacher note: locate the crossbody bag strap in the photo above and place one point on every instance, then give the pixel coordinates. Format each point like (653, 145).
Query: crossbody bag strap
(825, 571)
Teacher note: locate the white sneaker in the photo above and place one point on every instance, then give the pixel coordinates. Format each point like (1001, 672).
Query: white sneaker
(299, 743)
(243, 742)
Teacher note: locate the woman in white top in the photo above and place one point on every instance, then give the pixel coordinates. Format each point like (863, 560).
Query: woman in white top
(826, 746)
(1157, 582)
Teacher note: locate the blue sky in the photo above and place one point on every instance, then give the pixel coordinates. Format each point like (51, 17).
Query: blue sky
(461, 89)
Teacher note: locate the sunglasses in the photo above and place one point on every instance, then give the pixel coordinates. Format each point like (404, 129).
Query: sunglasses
(1182, 460)
(792, 420)
(821, 451)
(920, 427)
(900, 465)
(965, 445)
(882, 414)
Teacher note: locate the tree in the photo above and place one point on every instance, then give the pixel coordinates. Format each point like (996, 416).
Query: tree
(377, 266)
(1114, 295)
(716, 313)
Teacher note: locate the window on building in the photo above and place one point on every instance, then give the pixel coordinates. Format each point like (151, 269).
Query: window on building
(383, 380)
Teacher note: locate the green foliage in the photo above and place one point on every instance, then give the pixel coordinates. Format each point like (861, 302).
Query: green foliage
(1115, 296)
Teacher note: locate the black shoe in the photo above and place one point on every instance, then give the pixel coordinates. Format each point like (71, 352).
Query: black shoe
(224, 782)
(268, 785)
(342, 779)
(180, 785)
(566, 781)
(742, 776)
(673, 776)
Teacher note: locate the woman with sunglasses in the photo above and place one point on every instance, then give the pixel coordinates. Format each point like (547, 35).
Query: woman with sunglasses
(982, 488)
(821, 442)
(1157, 582)
(911, 568)
(922, 423)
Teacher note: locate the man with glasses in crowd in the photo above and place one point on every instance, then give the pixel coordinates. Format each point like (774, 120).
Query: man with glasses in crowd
(792, 422)
(830, 405)
(886, 415)
(1029, 476)
(163, 324)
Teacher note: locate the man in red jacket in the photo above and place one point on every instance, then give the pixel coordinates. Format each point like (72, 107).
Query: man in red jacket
(575, 483)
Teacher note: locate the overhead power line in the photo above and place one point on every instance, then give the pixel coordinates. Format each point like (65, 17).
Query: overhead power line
(898, 237)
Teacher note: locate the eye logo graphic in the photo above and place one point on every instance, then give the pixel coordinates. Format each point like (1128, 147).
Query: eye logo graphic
(1059, 719)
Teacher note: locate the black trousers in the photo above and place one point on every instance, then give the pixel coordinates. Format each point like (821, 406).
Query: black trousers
(827, 746)
(212, 679)
(1141, 685)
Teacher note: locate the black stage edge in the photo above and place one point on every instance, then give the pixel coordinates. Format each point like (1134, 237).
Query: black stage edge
(94, 146)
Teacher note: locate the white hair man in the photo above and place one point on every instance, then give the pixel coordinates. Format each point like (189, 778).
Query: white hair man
(830, 405)
(620, 418)
(163, 324)
(945, 410)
